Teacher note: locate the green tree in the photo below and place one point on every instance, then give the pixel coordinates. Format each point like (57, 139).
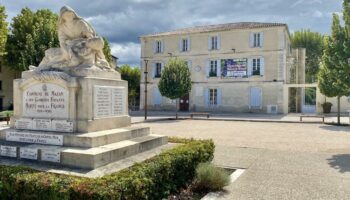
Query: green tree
(313, 43)
(175, 80)
(31, 33)
(334, 73)
(133, 76)
(3, 31)
(107, 51)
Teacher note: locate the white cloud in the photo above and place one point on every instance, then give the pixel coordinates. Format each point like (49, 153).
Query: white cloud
(127, 53)
(317, 14)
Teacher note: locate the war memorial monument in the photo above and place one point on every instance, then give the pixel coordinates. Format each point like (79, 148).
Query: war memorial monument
(72, 109)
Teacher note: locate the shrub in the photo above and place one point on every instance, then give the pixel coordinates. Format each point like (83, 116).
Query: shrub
(210, 178)
(154, 178)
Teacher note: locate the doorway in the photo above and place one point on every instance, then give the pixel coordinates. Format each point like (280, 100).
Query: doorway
(185, 103)
(309, 100)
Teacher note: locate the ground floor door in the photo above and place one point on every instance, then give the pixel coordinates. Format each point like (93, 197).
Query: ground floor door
(185, 103)
(255, 97)
(309, 100)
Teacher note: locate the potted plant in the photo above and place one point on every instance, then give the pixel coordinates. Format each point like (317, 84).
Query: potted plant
(327, 107)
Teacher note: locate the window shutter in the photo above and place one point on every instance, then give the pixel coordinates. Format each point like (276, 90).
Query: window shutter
(209, 43)
(251, 40)
(157, 97)
(155, 46)
(180, 45)
(262, 66)
(153, 69)
(207, 67)
(162, 67)
(206, 97)
(188, 44)
(218, 73)
(219, 96)
(250, 66)
(162, 46)
(219, 42)
(261, 39)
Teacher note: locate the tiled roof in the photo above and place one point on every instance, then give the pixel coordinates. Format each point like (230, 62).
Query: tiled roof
(217, 27)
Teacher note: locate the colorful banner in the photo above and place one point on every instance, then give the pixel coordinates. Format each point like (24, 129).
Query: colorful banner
(234, 67)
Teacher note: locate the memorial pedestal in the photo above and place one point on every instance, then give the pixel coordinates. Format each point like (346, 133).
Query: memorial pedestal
(76, 118)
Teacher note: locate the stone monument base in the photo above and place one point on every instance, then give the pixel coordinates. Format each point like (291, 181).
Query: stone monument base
(86, 151)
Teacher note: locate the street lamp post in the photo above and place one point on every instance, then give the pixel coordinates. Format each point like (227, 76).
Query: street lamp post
(146, 81)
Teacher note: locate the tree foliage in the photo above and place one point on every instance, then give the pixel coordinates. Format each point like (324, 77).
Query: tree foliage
(31, 33)
(3, 30)
(107, 51)
(175, 80)
(334, 75)
(133, 76)
(313, 43)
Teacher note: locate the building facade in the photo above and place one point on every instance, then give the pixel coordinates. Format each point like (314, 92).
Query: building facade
(6, 87)
(236, 67)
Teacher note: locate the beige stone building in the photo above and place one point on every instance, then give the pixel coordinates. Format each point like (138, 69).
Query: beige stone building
(6, 87)
(235, 67)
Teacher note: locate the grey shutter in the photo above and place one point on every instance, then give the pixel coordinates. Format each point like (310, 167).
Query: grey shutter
(207, 67)
(250, 66)
(251, 40)
(189, 65)
(218, 72)
(255, 97)
(180, 45)
(162, 46)
(155, 46)
(153, 69)
(219, 42)
(261, 39)
(188, 44)
(262, 66)
(209, 43)
(219, 96)
(206, 97)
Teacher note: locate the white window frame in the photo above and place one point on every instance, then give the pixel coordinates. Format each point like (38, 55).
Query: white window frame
(184, 44)
(156, 74)
(213, 96)
(213, 67)
(256, 66)
(214, 42)
(159, 48)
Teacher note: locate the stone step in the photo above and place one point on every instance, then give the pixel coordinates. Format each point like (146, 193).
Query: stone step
(88, 140)
(86, 158)
(99, 156)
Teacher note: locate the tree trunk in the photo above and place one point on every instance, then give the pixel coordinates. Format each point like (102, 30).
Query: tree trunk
(176, 108)
(338, 98)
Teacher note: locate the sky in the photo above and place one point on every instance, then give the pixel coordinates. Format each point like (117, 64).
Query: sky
(123, 21)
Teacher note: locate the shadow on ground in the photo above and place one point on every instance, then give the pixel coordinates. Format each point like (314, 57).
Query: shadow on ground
(340, 162)
(336, 128)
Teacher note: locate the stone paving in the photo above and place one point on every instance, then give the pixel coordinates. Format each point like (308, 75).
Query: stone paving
(283, 160)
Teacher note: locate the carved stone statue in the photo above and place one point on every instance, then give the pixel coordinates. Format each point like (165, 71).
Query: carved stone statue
(79, 45)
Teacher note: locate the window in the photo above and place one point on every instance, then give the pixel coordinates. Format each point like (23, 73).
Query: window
(158, 71)
(257, 39)
(0, 85)
(213, 68)
(184, 45)
(214, 42)
(256, 66)
(213, 97)
(158, 46)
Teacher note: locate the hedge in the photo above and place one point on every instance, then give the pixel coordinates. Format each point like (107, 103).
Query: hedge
(155, 178)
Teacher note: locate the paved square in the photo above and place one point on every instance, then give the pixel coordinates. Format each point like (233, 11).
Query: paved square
(283, 160)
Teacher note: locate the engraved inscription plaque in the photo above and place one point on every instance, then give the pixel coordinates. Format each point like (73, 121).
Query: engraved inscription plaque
(24, 123)
(109, 101)
(8, 151)
(51, 155)
(28, 153)
(37, 138)
(45, 100)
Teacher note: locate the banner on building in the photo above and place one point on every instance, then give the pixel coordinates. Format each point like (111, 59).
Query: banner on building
(234, 67)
